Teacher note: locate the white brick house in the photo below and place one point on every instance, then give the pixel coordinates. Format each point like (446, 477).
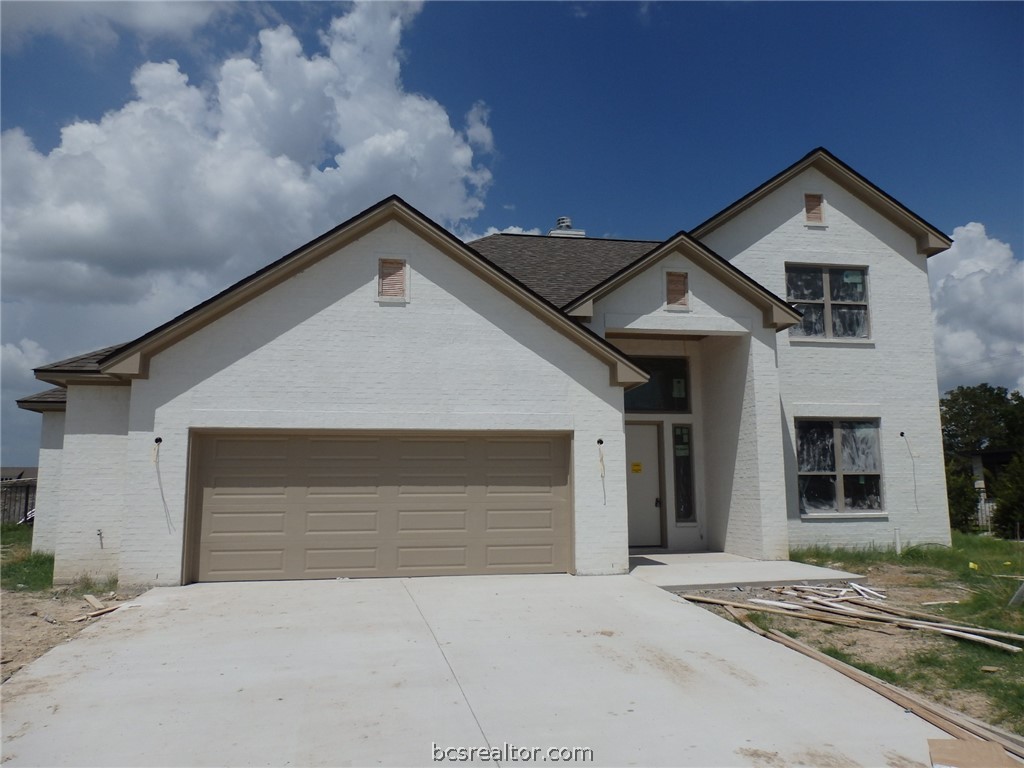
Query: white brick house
(387, 400)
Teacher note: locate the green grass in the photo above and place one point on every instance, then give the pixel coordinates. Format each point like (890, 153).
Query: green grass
(957, 665)
(20, 567)
(882, 673)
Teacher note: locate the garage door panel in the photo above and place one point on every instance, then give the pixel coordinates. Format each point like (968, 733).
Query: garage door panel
(247, 450)
(363, 484)
(320, 561)
(346, 449)
(342, 521)
(431, 484)
(228, 562)
(310, 506)
(521, 555)
(426, 449)
(247, 521)
(432, 520)
(520, 520)
(427, 558)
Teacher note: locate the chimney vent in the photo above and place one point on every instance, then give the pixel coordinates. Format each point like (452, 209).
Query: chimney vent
(563, 228)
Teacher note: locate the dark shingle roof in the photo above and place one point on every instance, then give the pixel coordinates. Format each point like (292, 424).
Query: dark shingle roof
(51, 397)
(85, 363)
(560, 268)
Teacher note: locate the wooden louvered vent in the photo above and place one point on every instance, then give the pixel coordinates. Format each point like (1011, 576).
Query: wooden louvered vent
(677, 289)
(391, 279)
(814, 209)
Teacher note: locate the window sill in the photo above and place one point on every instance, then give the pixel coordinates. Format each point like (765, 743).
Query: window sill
(808, 225)
(853, 515)
(392, 300)
(808, 341)
(670, 308)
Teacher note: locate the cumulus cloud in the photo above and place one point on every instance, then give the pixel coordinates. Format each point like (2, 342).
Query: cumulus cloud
(100, 24)
(188, 186)
(978, 305)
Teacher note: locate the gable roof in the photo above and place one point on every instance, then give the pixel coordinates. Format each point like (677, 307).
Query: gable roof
(560, 268)
(777, 312)
(55, 399)
(930, 240)
(86, 366)
(131, 360)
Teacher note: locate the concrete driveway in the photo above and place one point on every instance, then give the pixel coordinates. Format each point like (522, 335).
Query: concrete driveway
(379, 672)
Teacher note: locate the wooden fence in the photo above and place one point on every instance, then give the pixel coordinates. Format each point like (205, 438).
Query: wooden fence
(17, 499)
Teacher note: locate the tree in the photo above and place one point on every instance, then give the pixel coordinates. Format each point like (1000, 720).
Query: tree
(980, 418)
(1008, 519)
(983, 419)
(963, 499)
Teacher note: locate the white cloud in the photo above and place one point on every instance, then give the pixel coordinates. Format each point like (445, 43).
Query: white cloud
(185, 188)
(468, 236)
(978, 306)
(100, 24)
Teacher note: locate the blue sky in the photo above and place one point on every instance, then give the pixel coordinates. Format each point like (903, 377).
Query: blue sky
(279, 120)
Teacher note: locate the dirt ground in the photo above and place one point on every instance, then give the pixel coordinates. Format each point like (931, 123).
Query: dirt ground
(31, 623)
(904, 587)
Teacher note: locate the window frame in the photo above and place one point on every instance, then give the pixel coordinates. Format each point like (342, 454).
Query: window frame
(838, 472)
(827, 302)
(658, 365)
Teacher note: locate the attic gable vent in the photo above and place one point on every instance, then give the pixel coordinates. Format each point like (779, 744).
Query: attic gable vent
(814, 209)
(391, 279)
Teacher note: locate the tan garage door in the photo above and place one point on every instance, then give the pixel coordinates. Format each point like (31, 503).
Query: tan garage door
(317, 506)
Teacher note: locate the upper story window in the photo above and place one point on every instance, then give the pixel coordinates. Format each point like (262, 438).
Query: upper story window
(392, 280)
(668, 390)
(833, 300)
(814, 210)
(677, 290)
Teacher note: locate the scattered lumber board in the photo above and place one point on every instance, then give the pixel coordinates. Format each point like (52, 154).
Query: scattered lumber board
(93, 602)
(821, 609)
(952, 723)
(827, 618)
(94, 614)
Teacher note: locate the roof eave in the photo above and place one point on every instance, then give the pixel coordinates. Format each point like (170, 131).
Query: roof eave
(776, 313)
(929, 239)
(131, 360)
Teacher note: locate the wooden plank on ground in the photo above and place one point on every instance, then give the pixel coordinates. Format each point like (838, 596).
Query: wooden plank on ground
(93, 602)
(955, 753)
(953, 723)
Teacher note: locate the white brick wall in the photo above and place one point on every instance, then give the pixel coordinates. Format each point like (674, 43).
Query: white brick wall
(891, 378)
(319, 352)
(736, 417)
(47, 518)
(92, 480)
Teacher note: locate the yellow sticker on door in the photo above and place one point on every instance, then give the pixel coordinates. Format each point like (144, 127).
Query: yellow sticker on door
(637, 467)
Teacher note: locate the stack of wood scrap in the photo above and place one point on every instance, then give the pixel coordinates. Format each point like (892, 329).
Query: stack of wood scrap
(862, 608)
(100, 608)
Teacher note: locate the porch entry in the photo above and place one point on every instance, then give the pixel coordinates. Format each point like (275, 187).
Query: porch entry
(662, 444)
(662, 514)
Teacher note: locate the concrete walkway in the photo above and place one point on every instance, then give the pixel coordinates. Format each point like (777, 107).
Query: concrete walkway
(714, 570)
(385, 671)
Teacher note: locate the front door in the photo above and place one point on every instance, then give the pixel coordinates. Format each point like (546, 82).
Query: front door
(643, 485)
